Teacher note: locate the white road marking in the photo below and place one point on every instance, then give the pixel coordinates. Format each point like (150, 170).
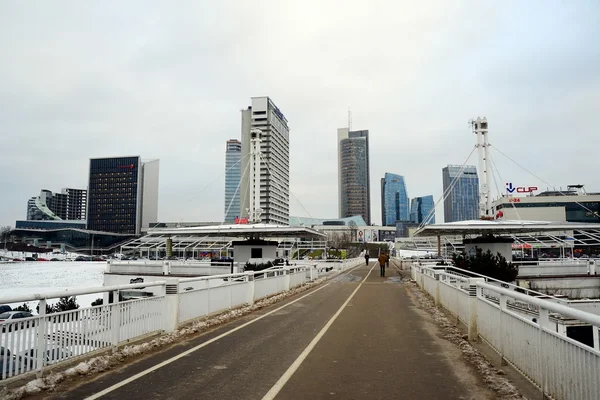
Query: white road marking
(296, 364)
(193, 349)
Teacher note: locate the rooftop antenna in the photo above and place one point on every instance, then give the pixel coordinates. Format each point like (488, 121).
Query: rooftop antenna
(349, 120)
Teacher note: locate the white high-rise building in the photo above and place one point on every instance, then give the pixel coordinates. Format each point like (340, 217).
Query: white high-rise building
(274, 175)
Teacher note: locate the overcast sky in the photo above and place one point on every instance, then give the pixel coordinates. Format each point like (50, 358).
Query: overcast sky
(167, 80)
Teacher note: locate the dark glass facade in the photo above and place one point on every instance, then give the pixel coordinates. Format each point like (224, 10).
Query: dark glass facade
(420, 207)
(114, 195)
(354, 175)
(394, 199)
(462, 199)
(73, 239)
(233, 175)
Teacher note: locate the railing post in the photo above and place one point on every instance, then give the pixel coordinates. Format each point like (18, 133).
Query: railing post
(115, 320)
(251, 288)
(286, 279)
(436, 297)
(472, 322)
(41, 338)
(544, 320)
(172, 300)
(503, 336)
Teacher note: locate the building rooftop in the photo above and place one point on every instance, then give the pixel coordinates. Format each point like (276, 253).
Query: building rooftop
(481, 227)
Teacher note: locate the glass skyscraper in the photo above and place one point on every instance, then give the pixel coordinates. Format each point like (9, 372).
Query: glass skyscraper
(354, 183)
(462, 201)
(233, 154)
(394, 200)
(420, 207)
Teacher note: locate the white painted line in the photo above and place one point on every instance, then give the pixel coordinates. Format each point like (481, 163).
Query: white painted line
(193, 349)
(296, 364)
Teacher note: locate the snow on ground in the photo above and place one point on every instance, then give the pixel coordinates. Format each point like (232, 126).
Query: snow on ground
(19, 278)
(492, 376)
(102, 363)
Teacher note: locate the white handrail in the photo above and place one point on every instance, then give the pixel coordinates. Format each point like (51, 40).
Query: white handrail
(545, 304)
(76, 292)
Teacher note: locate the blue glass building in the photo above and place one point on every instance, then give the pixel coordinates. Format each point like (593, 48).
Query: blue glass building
(462, 201)
(394, 200)
(233, 155)
(420, 207)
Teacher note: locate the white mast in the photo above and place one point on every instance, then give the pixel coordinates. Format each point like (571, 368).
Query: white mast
(254, 211)
(480, 128)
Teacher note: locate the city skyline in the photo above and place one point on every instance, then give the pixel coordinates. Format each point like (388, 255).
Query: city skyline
(147, 89)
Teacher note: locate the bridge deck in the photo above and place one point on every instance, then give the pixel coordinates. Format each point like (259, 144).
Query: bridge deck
(380, 346)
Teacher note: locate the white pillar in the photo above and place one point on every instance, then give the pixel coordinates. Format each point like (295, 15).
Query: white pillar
(472, 321)
(41, 338)
(115, 320)
(172, 300)
(251, 287)
(286, 279)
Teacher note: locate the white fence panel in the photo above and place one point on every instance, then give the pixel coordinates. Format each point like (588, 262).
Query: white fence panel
(240, 293)
(140, 317)
(193, 304)
(266, 286)
(297, 278)
(219, 298)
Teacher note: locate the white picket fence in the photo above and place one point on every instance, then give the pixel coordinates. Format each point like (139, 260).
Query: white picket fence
(522, 328)
(31, 344)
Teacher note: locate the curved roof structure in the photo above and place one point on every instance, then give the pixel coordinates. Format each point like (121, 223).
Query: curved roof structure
(499, 227)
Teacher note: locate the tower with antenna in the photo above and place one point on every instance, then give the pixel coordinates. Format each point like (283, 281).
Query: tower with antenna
(480, 129)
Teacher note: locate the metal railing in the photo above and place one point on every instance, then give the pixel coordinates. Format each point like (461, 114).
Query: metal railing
(523, 328)
(31, 344)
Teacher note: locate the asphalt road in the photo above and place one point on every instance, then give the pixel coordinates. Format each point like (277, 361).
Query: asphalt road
(365, 339)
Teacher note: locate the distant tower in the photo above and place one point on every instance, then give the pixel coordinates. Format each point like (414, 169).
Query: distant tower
(394, 200)
(274, 170)
(354, 185)
(462, 198)
(233, 155)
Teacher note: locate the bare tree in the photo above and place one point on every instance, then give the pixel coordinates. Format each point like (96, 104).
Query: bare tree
(4, 233)
(353, 229)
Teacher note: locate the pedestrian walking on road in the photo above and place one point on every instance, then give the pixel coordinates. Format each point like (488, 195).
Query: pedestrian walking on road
(387, 260)
(367, 257)
(382, 259)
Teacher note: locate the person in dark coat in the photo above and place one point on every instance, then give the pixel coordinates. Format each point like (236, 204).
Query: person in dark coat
(367, 257)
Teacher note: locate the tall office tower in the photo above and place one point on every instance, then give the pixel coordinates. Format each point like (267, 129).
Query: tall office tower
(68, 205)
(354, 183)
(462, 199)
(122, 194)
(233, 155)
(76, 200)
(420, 207)
(394, 200)
(264, 119)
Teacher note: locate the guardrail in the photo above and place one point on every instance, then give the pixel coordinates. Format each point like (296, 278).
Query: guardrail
(522, 329)
(31, 344)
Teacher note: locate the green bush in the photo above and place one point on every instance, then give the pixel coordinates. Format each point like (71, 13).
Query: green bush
(493, 266)
(24, 307)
